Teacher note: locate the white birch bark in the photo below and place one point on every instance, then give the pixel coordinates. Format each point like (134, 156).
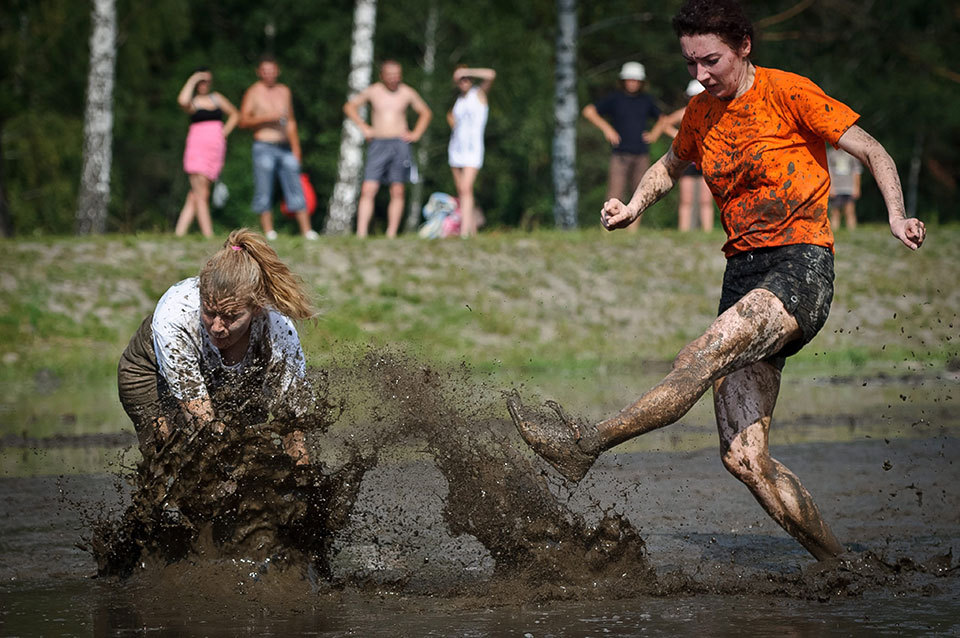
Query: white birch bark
(429, 65)
(343, 202)
(94, 194)
(566, 195)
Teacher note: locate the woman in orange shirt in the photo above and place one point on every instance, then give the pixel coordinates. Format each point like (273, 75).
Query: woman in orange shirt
(757, 134)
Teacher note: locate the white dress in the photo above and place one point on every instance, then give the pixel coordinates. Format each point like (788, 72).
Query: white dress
(466, 140)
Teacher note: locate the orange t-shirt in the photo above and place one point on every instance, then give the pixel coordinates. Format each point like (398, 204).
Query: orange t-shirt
(763, 157)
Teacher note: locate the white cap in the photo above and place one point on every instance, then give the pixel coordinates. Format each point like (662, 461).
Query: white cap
(633, 71)
(694, 88)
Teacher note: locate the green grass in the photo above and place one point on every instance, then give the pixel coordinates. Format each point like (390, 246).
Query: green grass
(544, 308)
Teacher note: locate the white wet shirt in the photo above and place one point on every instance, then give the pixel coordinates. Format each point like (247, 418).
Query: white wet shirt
(193, 368)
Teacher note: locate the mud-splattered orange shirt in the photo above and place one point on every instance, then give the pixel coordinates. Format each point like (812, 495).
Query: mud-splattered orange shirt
(763, 157)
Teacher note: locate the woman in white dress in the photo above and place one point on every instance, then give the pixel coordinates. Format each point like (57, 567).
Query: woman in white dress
(468, 119)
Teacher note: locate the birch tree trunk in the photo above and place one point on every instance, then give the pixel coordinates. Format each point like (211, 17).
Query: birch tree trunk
(566, 196)
(94, 192)
(343, 202)
(429, 65)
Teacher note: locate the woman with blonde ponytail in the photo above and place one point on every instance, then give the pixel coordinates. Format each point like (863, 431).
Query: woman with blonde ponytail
(220, 347)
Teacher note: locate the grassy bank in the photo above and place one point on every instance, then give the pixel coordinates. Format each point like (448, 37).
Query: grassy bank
(550, 309)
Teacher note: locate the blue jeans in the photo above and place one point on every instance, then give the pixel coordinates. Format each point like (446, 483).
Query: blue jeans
(272, 162)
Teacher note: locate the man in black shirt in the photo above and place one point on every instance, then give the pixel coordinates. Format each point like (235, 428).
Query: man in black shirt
(622, 117)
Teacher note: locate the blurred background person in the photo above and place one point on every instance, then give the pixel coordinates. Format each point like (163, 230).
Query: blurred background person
(467, 120)
(692, 187)
(845, 172)
(622, 117)
(206, 146)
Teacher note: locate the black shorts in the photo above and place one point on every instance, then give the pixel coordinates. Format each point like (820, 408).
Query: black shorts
(801, 276)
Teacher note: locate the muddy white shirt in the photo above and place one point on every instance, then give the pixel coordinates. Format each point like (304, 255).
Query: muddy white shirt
(270, 375)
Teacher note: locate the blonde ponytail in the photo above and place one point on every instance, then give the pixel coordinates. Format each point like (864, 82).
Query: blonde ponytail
(248, 269)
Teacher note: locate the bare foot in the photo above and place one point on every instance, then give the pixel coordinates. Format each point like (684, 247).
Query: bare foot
(554, 437)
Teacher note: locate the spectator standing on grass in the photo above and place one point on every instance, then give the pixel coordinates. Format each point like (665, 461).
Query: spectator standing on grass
(206, 147)
(692, 187)
(845, 173)
(267, 109)
(622, 117)
(389, 160)
(758, 135)
(468, 120)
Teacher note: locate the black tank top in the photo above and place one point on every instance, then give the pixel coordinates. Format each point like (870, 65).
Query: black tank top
(207, 115)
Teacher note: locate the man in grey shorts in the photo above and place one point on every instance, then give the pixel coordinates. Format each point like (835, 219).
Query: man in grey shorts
(388, 157)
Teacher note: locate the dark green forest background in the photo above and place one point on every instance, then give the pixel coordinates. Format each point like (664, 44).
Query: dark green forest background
(893, 61)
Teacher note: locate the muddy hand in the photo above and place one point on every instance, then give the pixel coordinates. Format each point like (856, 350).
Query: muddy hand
(910, 231)
(615, 214)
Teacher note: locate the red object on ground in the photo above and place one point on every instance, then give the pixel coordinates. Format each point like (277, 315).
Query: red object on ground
(308, 194)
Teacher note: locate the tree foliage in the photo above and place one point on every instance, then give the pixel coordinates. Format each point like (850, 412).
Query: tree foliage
(890, 61)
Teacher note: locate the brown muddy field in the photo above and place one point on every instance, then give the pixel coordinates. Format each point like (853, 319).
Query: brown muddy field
(423, 514)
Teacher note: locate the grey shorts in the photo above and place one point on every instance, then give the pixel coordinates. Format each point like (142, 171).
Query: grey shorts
(801, 276)
(839, 201)
(388, 161)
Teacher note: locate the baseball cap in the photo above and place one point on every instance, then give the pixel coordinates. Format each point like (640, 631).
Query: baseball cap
(633, 71)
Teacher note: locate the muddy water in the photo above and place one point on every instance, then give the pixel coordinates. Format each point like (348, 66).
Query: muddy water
(422, 515)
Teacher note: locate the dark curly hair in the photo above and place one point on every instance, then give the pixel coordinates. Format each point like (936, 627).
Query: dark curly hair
(722, 18)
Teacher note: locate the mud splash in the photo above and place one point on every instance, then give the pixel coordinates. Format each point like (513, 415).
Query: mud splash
(499, 516)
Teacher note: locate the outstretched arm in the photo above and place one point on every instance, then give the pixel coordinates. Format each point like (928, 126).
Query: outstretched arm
(871, 153)
(665, 124)
(590, 112)
(656, 183)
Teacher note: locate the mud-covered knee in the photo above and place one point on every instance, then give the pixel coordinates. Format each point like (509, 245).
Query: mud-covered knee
(746, 467)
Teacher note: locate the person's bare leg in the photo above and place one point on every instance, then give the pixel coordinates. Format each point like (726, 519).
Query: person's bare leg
(706, 206)
(266, 221)
(756, 327)
(368, 192)
(186, 215)
(744, 402)
(200, 186)
(468, 176)
(850, 214)
(834, 218)
(395, 209)
(617, 180)
(303, 221)
(685, 205)
(636, 167)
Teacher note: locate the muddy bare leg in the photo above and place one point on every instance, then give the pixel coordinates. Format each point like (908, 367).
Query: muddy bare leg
(756, 327)
(744, 402)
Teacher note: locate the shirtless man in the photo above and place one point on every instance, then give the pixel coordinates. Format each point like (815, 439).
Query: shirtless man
(388, 158)
(267, 108)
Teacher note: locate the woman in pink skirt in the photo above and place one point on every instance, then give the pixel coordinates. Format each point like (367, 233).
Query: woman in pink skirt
(206, 147)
